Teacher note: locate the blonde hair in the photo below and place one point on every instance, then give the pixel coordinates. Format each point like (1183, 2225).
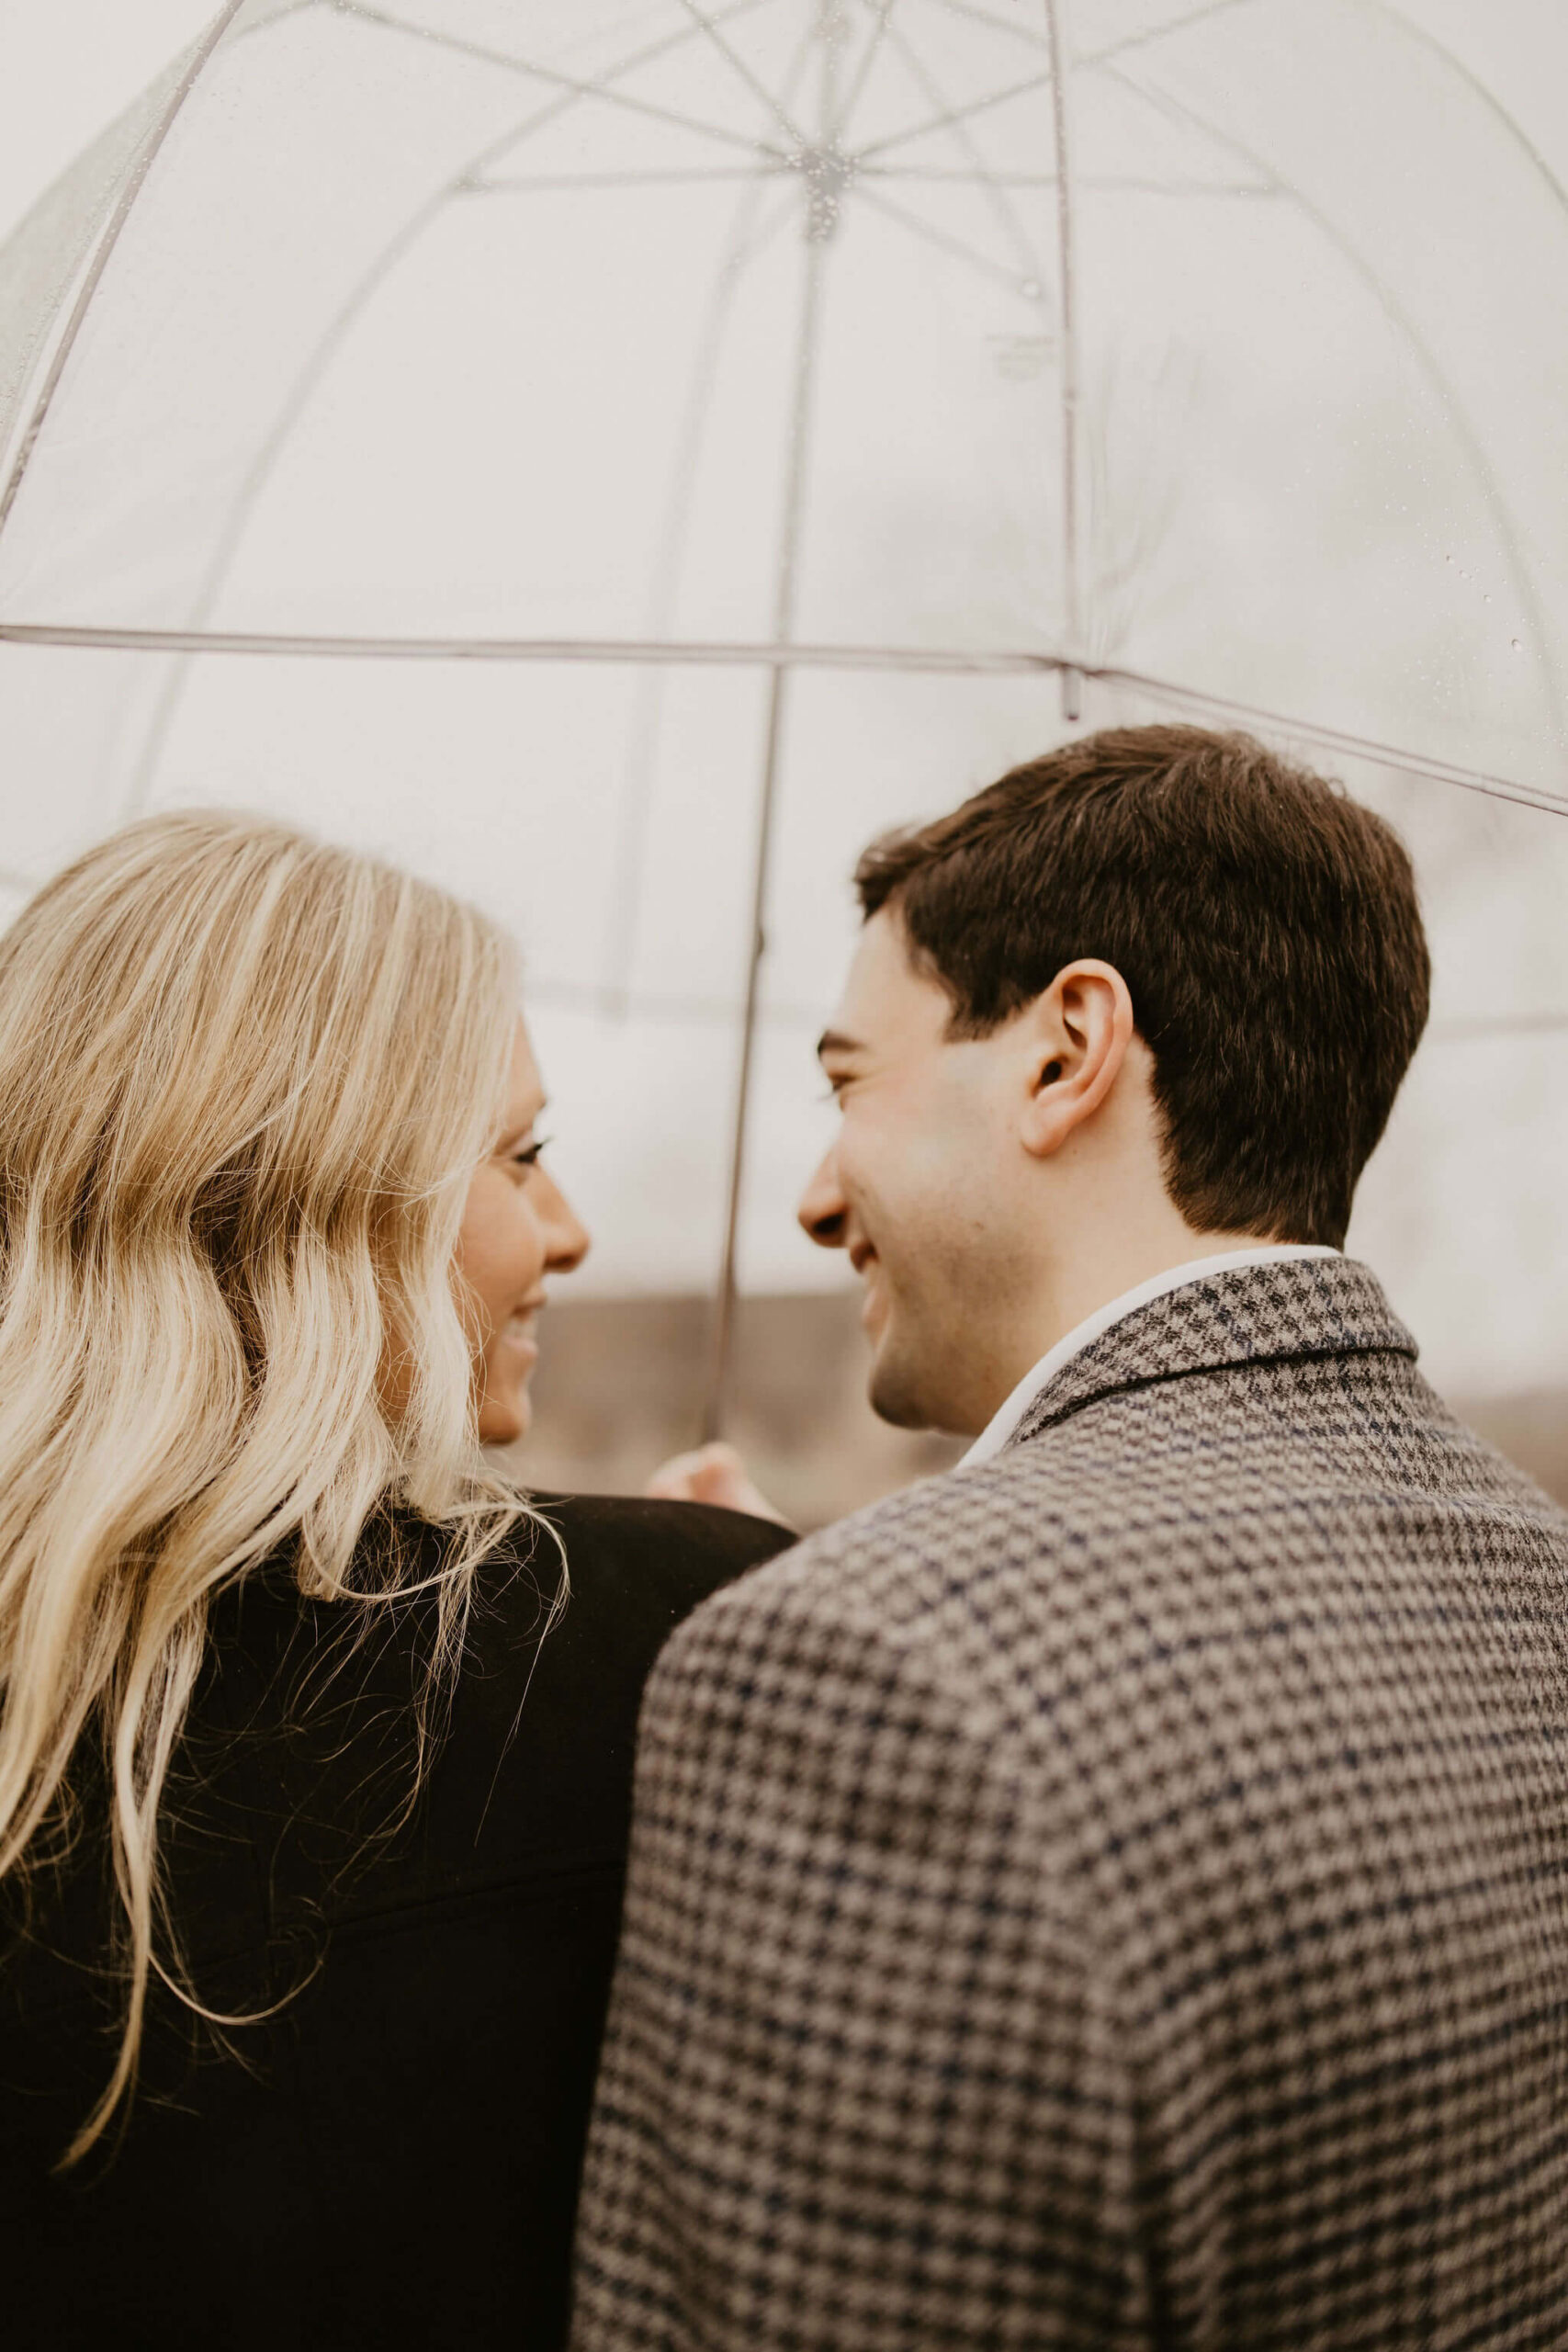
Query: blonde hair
(246, 1077)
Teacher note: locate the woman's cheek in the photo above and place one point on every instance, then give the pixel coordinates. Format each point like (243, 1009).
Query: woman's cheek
(491, 1247)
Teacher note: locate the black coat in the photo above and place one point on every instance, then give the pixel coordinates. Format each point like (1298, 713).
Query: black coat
(392, 2159)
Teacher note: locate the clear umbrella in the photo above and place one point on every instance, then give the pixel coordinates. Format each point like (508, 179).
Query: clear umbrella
(620, 456)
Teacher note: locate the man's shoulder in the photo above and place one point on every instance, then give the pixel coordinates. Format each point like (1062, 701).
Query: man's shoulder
(896, 1586)
(1178, 1504)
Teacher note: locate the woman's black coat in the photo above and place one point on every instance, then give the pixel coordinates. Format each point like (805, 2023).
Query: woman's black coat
(392, 2159)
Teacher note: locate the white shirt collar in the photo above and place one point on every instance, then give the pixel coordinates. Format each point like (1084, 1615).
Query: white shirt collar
(1007, 1417)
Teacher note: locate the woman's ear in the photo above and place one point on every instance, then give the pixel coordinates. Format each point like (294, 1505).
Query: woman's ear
(1080, 1029)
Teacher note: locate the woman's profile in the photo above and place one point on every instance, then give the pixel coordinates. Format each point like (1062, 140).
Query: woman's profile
(316, 1731)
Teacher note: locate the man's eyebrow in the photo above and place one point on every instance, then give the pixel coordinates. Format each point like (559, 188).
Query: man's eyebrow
(833, 1041)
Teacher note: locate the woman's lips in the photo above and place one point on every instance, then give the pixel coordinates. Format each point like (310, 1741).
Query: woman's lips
(518, 1332)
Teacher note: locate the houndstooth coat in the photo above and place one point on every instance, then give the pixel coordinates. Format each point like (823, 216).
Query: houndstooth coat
(1116, 1895)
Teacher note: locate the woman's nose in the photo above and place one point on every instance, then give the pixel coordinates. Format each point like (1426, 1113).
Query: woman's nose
(568, 1239)
(823, 1211)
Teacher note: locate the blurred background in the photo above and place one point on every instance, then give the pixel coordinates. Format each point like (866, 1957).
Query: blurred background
(617, 455)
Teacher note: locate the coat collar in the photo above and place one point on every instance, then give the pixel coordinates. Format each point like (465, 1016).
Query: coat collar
(1314, 1307)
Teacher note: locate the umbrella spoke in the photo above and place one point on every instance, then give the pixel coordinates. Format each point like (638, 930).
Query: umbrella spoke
(945, 120)
(524, 182)
(733, 58)
(1478, 89)
(856, 90)
(1157, 32)
(574, 84)
(962, 137)
(998, 24)
(318, 364)
(746, 241)
(955, 247)
(1107, 183)
(1463, 430)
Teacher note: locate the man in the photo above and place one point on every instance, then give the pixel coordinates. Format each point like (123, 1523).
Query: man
(1115, 1894)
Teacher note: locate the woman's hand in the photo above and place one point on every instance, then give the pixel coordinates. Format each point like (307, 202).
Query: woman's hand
(711, 1474)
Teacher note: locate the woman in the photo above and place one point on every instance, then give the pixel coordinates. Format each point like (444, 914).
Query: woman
(311, 1841)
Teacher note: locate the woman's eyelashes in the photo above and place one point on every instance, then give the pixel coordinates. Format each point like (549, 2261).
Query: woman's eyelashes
(527, 1154)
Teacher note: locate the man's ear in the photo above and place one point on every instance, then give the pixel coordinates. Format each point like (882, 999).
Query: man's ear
(1079, 1029)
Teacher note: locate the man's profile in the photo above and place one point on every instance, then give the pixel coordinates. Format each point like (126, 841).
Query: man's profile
(1116, 1893)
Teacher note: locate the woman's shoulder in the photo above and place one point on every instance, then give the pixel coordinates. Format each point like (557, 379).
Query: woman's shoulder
(547, 1696)
(580, 1601)
(651, 1562)
(568, 1614)
(316, 1704)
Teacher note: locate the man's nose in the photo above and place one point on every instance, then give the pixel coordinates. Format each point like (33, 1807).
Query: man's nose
(824, 1212)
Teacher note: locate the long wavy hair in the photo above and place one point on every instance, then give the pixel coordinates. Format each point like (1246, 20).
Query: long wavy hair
(245, 1079)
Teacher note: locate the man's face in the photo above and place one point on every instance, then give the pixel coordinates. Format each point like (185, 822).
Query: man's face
(920, 1188)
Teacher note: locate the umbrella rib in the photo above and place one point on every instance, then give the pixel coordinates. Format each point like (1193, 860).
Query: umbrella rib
(956, 114)
(146, 157)
(856, 90)
(315, 370)
(738, 64)
(934, 662)
(294, 8)
(571, 83)
(1066, 266)
(1457, 420)
(527, 184)
(1110, 183)
(1336, 740)
(746, 242)
(767, 652)
(808, 353)
(997, 24)
(1159, 33)
(1012, 227)
(1393, 15)
(941, 239)
(1488, 98)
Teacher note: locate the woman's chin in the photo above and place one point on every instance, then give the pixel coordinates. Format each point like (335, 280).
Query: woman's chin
(504, 1418)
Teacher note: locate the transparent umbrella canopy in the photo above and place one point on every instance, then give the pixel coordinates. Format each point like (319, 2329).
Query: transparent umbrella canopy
(618, 455)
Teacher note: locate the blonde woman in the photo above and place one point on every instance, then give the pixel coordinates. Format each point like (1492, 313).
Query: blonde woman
(313, 1781)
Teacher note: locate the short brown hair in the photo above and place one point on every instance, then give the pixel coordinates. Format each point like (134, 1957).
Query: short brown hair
(1265, 924)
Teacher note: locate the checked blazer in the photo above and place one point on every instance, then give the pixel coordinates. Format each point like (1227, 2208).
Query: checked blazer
(1115, 1895)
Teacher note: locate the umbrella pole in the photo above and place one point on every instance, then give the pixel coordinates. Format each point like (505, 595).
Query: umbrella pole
(1060, 48)
(820, 168)
(716, 1403)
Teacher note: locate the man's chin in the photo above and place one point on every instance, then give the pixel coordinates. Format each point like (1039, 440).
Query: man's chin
(894, 1393)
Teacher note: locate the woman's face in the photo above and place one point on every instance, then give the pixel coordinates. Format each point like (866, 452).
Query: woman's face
(516, 1228)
